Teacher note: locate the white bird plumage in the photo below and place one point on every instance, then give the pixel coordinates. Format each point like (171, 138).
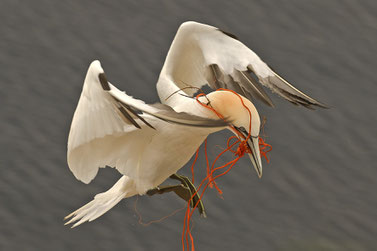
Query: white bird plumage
(149, 143)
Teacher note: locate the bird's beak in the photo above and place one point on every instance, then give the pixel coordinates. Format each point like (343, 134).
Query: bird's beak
(255, 155)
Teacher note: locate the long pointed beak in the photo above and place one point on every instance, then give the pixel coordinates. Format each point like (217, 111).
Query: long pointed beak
(255, 155)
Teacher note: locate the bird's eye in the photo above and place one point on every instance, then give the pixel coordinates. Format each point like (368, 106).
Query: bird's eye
(241, 129)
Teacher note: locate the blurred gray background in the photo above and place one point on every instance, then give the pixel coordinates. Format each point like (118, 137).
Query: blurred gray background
(317, 193)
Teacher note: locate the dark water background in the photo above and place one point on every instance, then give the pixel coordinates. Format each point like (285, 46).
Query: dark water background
(318, 192)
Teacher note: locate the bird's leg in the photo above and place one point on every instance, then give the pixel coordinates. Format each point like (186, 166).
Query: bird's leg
(186, 182)
(185, 190)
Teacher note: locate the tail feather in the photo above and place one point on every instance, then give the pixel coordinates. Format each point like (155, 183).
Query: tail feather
(102, 202)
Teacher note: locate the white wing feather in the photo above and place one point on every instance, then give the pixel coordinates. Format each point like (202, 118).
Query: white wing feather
(200, 53)
(99, 136)
(105, 129)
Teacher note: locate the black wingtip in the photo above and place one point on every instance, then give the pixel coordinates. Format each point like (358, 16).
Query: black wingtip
(322, 105)
(229, 34)
(128, 117)
(299, 97)
(138, 116)
(103, 80)
(258, 91)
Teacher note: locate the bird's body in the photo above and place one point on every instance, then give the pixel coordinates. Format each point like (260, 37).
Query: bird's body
(149, 143)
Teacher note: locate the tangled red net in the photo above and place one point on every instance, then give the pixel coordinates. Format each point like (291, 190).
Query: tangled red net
(210, 179)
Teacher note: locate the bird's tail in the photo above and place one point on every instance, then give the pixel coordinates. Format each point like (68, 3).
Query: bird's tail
(103, 202)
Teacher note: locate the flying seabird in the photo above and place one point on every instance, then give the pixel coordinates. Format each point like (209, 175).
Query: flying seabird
(148, 143)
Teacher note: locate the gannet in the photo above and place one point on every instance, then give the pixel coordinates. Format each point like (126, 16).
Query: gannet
(148, 143)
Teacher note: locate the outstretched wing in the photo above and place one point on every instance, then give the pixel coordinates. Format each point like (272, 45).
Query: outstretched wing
(201, 54)
(109, 125)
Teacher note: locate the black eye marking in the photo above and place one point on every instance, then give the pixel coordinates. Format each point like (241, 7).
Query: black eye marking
(242, 129)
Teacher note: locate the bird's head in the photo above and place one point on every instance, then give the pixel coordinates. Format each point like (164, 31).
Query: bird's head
(237, 110)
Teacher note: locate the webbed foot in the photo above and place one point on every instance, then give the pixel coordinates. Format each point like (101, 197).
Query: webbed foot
(185, 190)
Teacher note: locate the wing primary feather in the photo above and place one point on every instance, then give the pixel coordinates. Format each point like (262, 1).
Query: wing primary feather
(217, 75)
(298, 100)
(129, 108)
(104, 83)
(128, 116)
(239, 89)
(312, 100)
(224, 81)
(241, 82)
(279, 84)
(253, 86)
(123, 108)
(168, 114)
(229, 34)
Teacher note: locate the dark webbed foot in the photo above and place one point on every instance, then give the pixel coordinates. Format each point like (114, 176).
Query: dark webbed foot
(185, 190)
(187, 183)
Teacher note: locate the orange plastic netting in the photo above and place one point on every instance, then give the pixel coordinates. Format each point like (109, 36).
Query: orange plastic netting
(210, 180)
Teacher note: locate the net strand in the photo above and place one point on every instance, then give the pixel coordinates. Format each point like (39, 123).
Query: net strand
(210, 179)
